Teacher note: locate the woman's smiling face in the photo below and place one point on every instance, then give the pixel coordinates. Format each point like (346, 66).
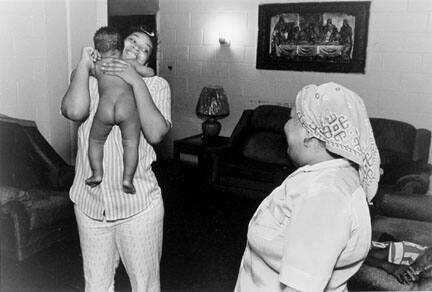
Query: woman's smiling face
(138, 46)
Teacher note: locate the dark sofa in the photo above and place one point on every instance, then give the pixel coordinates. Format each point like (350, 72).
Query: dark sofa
(255, 160)
(404, 152)
(35, 210)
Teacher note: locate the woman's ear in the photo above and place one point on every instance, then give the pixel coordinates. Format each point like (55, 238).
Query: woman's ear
(314, 143)
(308, 142)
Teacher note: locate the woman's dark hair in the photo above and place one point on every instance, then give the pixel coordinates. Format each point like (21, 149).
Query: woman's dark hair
(108, 38)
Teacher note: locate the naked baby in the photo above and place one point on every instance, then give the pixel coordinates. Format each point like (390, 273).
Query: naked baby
(116, 107)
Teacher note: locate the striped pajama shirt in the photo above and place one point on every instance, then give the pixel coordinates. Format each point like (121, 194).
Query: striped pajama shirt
(100, 209)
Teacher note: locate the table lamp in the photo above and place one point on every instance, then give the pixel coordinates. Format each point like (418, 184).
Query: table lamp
(212, 105)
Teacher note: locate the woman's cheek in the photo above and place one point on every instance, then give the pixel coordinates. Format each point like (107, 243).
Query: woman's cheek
(142, 59)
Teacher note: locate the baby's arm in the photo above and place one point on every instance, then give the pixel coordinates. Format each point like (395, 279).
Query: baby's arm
(142, 70)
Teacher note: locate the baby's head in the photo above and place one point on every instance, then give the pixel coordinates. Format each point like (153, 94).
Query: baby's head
(108, 41)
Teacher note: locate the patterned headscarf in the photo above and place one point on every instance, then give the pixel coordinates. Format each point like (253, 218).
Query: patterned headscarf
(338, 117)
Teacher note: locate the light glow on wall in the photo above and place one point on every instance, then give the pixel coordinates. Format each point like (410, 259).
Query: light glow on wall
(225, 27)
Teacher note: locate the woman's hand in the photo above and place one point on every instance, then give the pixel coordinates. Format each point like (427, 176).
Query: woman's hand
(122, 69)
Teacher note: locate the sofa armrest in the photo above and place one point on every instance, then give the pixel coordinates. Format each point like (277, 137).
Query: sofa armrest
(241, 129)
(422, 145)
(20, 219)
(66, 175)
(408, 206)
(414, 183)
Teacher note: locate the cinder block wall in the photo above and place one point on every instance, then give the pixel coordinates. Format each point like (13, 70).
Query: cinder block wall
(41, 43)
(31, 45)
(397, 83)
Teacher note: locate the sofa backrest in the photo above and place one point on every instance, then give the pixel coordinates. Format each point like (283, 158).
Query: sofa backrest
(266, 141)
(270, 118)
(395, 140)
(26, 158)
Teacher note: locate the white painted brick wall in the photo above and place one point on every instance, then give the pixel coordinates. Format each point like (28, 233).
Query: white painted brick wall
(34, 61)
(397, 83)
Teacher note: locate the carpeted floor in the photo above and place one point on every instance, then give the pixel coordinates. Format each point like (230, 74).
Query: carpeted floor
(204, 238)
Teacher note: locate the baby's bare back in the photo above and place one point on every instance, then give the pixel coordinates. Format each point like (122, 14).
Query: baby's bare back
(116, 100)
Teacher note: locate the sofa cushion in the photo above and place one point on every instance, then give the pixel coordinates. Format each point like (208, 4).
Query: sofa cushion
(267, 147)
(252, 169)
(415, 207)
(390, 158)
(270, 118)
(404, 229)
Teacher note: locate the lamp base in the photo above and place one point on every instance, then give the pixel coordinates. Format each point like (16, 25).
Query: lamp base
(211, 128)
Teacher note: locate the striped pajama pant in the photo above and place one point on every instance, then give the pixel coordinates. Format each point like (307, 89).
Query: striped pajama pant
(401, 252)
(137, 241)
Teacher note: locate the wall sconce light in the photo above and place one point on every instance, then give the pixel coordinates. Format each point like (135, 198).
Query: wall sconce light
(224, 41)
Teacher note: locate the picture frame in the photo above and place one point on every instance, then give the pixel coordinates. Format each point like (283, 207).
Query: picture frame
(313, 36)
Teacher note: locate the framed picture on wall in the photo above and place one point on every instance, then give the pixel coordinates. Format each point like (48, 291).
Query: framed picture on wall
(313, 36)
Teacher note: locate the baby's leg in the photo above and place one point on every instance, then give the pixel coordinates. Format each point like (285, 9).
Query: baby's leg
(130, 129)
(99, 131)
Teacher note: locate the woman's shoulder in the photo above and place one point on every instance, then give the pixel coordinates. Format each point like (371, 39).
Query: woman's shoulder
(157, 80)
(157, 84)
(344, 179)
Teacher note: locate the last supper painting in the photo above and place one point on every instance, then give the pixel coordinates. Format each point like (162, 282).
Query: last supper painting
(326, 37)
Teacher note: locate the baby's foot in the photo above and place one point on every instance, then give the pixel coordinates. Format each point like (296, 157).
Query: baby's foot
(93, 181)
(128, 187)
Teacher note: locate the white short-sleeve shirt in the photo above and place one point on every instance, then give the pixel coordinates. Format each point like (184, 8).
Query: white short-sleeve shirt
(312, 233)
(108, 198)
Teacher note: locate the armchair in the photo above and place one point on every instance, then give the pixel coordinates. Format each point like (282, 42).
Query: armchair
(35, 210)
(404, 152)
(401, 207)
(255, 159)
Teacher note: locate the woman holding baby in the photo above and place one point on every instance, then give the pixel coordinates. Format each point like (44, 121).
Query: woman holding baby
(113, 225)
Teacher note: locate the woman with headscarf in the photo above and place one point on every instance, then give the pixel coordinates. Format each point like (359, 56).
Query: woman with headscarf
(313, 232)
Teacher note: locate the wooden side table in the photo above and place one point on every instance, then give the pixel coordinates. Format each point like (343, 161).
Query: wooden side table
(195, 145)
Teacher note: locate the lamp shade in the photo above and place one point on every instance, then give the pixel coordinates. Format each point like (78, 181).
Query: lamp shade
(212, 103)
